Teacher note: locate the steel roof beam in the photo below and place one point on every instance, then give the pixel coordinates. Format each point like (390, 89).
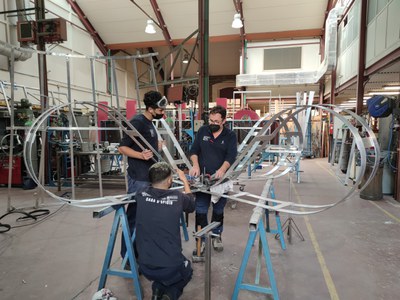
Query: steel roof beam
(89, 27)
(161, 23)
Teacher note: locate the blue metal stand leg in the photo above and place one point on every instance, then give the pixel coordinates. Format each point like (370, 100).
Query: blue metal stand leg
(120, 216)
(184, 227)
(278, 229)
(263, 249)
(125, 260)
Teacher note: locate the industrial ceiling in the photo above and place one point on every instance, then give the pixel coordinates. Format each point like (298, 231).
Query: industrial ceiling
(120, 25)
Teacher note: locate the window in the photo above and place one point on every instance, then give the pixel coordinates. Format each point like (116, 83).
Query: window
(282, 58)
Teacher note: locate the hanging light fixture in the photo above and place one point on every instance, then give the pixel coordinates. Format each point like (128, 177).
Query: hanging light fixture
(185, 59)
(237, 22)
(150, 27)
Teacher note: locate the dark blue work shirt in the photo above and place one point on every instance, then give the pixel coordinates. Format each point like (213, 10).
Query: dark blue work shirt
(211, 152)
(158, 237)
(138, 169)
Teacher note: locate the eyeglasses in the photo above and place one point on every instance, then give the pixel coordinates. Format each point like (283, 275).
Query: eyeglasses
(162, 103)
(214, 122)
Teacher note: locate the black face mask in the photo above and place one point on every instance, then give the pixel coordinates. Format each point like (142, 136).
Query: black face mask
(158, 116)
(214, 127)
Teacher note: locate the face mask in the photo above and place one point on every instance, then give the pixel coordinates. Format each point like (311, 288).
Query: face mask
(214, 127)
(158, 116)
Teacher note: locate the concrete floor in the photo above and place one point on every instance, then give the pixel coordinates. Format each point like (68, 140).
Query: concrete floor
(351, 251)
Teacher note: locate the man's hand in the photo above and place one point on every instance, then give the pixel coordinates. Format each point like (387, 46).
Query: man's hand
(147, 154)
(195, 171)
(219, 174)
(181, 175)
(161, 143)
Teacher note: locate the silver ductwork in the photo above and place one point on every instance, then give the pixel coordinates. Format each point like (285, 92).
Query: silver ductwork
(20, 53)
(301, 77)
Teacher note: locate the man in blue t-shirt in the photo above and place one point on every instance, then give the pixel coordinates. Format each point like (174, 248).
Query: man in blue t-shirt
(158, 237)
(214, 150)
(139, 161)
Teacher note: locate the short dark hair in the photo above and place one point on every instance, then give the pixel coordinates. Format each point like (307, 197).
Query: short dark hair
(218, 110)
(151, 98)
(159, 172)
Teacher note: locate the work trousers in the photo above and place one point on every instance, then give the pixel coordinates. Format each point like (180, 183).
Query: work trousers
(202, 204)
(133, 186)
(168, 280)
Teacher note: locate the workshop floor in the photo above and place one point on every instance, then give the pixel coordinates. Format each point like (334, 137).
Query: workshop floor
(351, 251)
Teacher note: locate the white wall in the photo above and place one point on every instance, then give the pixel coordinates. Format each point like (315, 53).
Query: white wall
(79, 43)
(383, 36)
(310, 56)
(383, 31)
(348, 44)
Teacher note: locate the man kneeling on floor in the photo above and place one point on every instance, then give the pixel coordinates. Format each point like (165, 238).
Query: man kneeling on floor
(158, 237)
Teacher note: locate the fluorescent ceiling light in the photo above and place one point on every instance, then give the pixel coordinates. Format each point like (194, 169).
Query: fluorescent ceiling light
(392, 87)
(355, 101)
(237, 23)
(384, 93)
(365, 98)
(150, 27)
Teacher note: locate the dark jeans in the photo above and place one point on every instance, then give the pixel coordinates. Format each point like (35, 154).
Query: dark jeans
(133, 186)
(202, 204)
(168, 280)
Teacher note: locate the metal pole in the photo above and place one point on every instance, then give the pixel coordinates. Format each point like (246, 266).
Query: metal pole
(153, 73)
(10, 157)
(204, 38)
(115, 82)
(98, 157)
(71, 136)
(180, 122)
(135, 74)
(361, 57)
(207, 280)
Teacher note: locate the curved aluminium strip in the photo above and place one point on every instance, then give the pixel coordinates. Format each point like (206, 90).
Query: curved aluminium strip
(361, 146)
(39, 124)
(282, 206)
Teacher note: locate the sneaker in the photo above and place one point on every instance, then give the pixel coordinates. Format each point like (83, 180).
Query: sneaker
(202, 249)
(217, 244)
(157, 294)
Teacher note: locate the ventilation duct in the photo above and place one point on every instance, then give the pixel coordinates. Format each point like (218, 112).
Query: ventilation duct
(19, 53)
(301, 77)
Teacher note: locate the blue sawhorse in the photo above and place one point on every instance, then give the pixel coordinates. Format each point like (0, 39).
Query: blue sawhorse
(120, 217)
(263, 249)
(278, 231)
(184, 227)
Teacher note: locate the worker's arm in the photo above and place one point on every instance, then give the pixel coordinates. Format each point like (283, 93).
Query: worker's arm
(222, 170)
(144, 155)
(230, 156)
(195, 171)
(182, 177)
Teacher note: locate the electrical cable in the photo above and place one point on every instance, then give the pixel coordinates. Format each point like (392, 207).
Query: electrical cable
(33, 215)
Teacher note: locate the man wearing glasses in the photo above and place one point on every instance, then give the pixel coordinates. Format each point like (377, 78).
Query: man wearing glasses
(139, 161)
(214, 150)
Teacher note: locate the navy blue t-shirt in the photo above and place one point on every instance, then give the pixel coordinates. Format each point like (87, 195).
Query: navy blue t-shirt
(213, 152)
(158, 237)
(138, 168)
